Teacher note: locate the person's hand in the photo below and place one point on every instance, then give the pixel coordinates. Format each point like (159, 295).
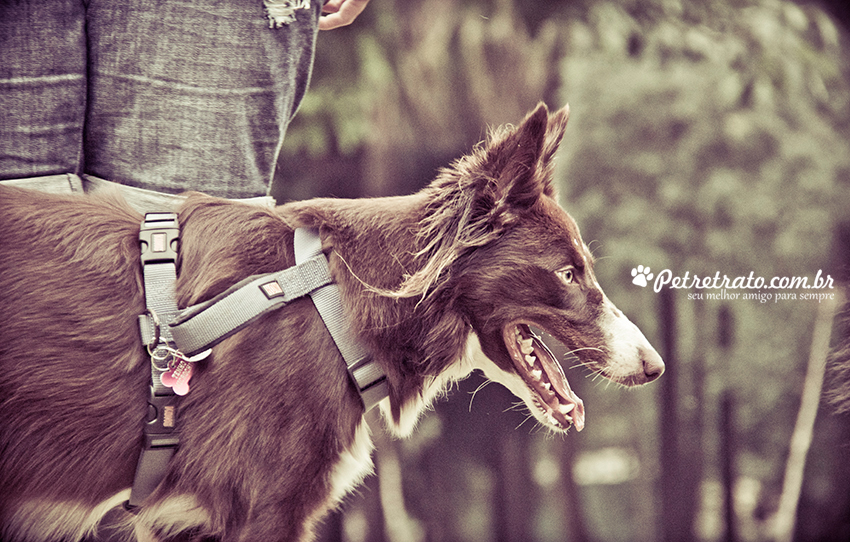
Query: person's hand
(338, 13)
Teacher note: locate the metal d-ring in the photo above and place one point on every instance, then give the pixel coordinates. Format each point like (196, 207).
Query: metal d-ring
(156, 329)
(158, 351)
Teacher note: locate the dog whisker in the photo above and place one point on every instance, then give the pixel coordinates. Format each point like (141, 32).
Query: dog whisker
(593, 249)
(479, 388)
(538, 427)
(529, 417)
(572, 352)
(515, 406)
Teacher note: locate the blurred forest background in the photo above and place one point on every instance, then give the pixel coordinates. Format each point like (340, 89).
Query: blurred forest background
(704, 137)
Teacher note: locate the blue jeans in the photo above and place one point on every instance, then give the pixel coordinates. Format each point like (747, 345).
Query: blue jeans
(167, 95)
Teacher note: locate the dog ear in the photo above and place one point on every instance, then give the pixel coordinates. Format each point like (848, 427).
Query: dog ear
(554, 134)
(521, 160)
(514, 160)
(473, 202)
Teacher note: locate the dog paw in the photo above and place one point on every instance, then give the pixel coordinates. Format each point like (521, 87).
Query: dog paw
(641, 275)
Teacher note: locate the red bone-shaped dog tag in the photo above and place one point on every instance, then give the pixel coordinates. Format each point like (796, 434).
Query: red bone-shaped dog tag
(177, 376)
(180, 370)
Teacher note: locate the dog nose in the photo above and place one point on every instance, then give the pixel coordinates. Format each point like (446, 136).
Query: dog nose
(653, 366)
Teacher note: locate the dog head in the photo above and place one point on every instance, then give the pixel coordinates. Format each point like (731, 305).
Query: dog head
(518, 263)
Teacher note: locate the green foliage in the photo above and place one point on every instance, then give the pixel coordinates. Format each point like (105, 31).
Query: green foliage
(428, 75)
(730, 128)
(704, 137)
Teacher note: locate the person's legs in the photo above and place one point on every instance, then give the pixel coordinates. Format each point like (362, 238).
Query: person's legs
(187, 95)
(42, 86)
(176, 95)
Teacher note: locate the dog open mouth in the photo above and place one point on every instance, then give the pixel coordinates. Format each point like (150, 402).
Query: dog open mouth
(544, 376)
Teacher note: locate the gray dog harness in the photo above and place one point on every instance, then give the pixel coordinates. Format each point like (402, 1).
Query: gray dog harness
(177, 339)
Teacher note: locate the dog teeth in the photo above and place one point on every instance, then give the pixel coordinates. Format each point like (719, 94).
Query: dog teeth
(548, 392)
(530, 359)
(525, 346)
(537, 374)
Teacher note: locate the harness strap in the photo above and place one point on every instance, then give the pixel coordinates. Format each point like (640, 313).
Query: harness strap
(204, 325)
(158, 236)
(165, 330)
(368, 376)
(201, 326)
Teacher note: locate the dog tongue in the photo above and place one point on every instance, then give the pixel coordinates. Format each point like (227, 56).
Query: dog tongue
(570, 403)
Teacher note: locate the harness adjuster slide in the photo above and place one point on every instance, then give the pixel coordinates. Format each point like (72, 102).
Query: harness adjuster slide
(159, 235)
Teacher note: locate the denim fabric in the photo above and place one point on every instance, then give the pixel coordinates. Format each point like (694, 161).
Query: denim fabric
(42, 87)
(167, 95)
(143, 201)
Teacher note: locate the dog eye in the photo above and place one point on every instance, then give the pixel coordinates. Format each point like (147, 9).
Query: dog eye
(567, 275)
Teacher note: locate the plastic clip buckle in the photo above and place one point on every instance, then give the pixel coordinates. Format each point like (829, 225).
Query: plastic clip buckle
(158, 236)
(161, 422)
(161, 442)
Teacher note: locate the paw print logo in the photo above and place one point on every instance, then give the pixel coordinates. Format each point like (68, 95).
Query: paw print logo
(641, 275)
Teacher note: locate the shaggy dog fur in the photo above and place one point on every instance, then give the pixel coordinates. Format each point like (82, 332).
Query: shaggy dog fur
(272, 434)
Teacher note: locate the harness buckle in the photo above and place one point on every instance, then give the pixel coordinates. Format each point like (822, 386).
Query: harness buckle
(161, 418)
(161, 442)
(158, 235)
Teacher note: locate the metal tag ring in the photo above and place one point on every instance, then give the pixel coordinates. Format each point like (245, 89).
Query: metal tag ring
(156, 330)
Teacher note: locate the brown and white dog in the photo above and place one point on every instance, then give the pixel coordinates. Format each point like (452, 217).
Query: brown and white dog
(273, 435)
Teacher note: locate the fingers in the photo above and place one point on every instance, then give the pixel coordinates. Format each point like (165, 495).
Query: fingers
(337, 13)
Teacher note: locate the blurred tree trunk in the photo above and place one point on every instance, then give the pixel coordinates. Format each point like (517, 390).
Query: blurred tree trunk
(694, 446)
(677, 497)
(727, 462)
(801, 438)
(726, 431)
(572, 503)
(399, 526)
(515, 489)
(445, 72)
(369, 508)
